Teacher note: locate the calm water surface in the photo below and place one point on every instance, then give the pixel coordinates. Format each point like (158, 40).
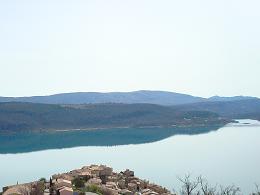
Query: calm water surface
(226, 156)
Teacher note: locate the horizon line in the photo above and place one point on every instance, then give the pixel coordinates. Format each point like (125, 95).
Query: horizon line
(107, 92)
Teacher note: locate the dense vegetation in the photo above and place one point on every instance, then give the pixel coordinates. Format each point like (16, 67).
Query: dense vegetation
(248, 108)
(30, 116)
(18, 116)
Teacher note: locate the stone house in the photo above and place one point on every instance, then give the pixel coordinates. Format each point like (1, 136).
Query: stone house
(62, 183)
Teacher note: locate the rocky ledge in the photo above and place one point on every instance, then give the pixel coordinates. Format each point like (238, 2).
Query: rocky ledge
(95, 179)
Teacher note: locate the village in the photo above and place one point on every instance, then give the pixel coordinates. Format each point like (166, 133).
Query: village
(89, 180)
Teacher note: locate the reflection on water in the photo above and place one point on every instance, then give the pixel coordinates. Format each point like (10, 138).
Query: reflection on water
(28, 142)
(226, 156)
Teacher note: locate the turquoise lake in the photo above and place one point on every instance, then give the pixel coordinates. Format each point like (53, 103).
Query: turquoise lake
(226, 155)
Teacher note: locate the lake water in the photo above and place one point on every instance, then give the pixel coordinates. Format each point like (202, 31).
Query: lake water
(228, 155)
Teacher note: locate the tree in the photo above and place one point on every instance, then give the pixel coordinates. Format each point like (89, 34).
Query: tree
(51, 182)
(42, 180)
(78, 182)
(257, 190)
(188, 186)
(206, 189)
(229, 190)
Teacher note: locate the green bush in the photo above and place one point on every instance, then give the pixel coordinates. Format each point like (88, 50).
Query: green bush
(43, 180)
(93, 188)
(78, 182)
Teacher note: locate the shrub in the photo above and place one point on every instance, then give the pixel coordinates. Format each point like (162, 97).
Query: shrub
(43, 180)
(93, 188)
(78, 182)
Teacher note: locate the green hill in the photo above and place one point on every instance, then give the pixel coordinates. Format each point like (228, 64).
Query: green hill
(35, 117)
(247, 108)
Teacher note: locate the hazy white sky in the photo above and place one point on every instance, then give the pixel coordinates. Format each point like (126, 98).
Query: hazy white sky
(199, 47)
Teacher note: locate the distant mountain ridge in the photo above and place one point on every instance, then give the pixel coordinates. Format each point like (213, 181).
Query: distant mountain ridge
(234, 98)
(142, 96)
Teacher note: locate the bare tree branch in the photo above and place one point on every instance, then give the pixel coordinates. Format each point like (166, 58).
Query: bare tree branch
(205, 187)
(257, 190)
(188, 186)
(229, 190)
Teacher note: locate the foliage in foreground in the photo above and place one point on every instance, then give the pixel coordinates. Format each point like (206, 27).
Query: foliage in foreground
(200, 186)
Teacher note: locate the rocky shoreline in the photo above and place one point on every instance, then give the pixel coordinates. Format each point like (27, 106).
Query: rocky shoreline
(93, 179)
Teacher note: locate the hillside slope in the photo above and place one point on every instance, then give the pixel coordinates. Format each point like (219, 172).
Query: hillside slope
(30, 116)
(248, 108)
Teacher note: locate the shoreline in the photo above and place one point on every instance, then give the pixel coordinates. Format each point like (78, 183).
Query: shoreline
(51, 130)
(116, 127)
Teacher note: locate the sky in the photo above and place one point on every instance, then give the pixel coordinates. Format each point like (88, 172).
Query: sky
(198, 47)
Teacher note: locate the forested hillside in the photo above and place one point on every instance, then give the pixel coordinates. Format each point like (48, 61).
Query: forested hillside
(30, 116)
(248, 108)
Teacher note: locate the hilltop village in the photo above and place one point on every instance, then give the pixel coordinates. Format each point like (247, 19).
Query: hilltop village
(89, 180)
